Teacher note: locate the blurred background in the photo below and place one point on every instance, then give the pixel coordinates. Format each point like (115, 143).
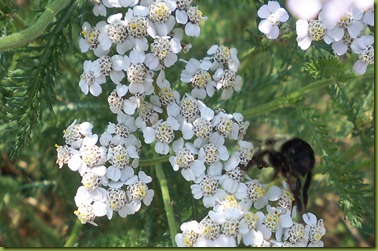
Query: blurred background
(36, 197)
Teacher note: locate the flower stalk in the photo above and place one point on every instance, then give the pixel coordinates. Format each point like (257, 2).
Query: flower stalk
(167, 202)
(35, 30)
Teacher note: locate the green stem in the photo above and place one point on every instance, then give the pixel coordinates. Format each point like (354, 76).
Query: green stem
(74, 234)
(289, 99)
(35, 30)
(154, 161)
(167, 202)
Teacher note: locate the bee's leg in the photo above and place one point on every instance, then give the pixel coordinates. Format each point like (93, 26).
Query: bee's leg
(297, 195)
(305, 188)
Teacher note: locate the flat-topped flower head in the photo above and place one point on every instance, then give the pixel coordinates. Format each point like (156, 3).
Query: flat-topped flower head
(90, 39)
(314, 230)
(64, 154)
(231, 179)
(223, 56)
(163, 52)
(110, 66)
(189, 109)
(364, 47)
(91, 181)
(117, 199)
(273, 15)
(190, 16)
(161, 18)
(209, 229)
(196, 73)
(186, 160)
(91, 79)
(228, 82)
(148, 114)
(208, 189)
(138, 192)
(189, 235)
(163, 133)
(308, 31)
(75, 133)
(295, 234)
(85, 213)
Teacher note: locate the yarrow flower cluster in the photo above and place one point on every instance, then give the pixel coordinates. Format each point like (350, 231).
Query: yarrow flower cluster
(345, 25)
(134, 48)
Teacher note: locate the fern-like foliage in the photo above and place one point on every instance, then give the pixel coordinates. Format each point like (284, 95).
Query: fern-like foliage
(28, 84)
(344, 176)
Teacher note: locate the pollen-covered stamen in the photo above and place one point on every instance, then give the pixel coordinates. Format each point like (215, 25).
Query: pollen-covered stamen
(137, 73)
(209, 186)
(346, 20)
(88, 77)
(90, 181)
(189, 237)
(115, 102)
(209, 229)
(166, 96)
(138, 191)
(185, 158)
(194, 14)
(91, 37)
(118, 156)
(105, 65)
(63, 155)
(367, 55)
(117, 199)
(273, 20)
(230, 227)
(202, 128)
(211, 153)
(90, 155)
(227, 80)
(222, 54)
(160, 47)
(159, 12)
(255, 190)
(251, 220)
(224, 127)
(85, 213)
(117, 32)
(245, 155)
(122, 130)
(316, 30)
(200, 79)
(296, 232)
(138, 27)
(272, 221)
(183, 4)
(72, 134)
(147, 112)
(189, 108)
(286, 199)
(230, 202)
(316, 232)
(347, 39)
(236, 174)
(164, 133)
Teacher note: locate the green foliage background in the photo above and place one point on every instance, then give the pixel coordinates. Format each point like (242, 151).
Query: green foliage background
(40, 97)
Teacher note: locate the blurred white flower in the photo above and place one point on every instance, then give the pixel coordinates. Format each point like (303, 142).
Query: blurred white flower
(273, 15)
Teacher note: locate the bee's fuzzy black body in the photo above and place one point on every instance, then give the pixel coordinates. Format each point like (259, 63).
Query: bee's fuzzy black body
(294, 158)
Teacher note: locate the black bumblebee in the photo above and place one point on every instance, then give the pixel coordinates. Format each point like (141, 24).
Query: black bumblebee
(294, 158)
